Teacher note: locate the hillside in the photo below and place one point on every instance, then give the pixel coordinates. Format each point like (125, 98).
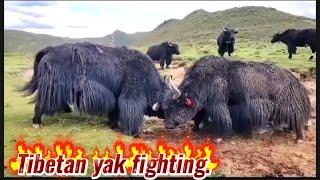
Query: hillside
(255, 24)
(24, 42)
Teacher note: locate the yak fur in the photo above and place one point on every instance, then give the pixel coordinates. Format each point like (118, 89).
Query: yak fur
(238, 97)
(163, 53)
(98, 80)
(294, 38)
(226, 41)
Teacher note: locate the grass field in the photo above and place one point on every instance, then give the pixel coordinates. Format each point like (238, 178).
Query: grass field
(91, 131)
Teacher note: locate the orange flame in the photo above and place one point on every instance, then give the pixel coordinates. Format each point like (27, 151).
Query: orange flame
(68, 148)
(204, 150)
(65, 147)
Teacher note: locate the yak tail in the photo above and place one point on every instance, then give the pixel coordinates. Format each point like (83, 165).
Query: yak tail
(32, 85)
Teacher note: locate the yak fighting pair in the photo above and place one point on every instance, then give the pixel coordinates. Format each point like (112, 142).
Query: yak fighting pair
(124, 85)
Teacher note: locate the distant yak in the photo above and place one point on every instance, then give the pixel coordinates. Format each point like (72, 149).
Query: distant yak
(118, 82)
(294, 38)
(163, 53)
(226, 41)
(238, 97)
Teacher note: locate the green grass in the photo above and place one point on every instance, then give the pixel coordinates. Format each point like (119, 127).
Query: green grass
(250, 51)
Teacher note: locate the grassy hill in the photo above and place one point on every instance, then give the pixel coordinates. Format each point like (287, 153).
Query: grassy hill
(256, 24)
(202, 27)
(196, 35)
(24, 42)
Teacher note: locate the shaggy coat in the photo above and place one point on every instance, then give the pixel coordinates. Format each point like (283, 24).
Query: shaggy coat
(294, 38)
(163, 53)
(226, 41)
(238, 96)
(95, 79)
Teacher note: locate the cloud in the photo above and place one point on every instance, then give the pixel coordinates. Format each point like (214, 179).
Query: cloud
(99, 18)
(29, 24)
(23, 12)
(34, 3)
(77, 27)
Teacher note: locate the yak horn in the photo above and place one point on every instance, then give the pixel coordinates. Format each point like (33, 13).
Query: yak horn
(224, 29)
(169, 44)
(176, 91)
(156, 106)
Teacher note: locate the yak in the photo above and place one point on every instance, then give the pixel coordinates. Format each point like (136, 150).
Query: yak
(163, 53)
(226, 41)
(120, 83)
(238, 97)
(294, 38)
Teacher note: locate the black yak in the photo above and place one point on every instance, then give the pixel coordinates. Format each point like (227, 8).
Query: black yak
(294, 38)
(118, 82)
(163, 53)
(226, 41)
(238, 97)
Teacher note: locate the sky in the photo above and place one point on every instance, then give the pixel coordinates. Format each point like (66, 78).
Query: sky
(98, 18)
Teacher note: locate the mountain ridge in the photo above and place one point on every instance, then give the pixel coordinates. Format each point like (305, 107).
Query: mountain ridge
(254, 23)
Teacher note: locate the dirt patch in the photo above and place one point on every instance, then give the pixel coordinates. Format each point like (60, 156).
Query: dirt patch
(259, 155)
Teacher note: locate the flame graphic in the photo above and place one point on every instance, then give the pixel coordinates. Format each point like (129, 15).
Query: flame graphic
(129, 151)
(65, 147)
(204, 150)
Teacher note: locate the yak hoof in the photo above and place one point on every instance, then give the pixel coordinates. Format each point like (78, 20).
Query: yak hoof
(36, 126)
(299, 141)
(218, 141)
(167, 67)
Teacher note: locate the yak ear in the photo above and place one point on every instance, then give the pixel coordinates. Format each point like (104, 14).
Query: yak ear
(156, 106)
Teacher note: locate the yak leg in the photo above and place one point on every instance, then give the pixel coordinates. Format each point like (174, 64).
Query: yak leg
(291, 50)
(220, 51)
(168, 62)
(37, 117)
(113, 118)
(312, 50)
(132, 106)
(201, 116)
(300, 136)
(162, 61)
(222, 122)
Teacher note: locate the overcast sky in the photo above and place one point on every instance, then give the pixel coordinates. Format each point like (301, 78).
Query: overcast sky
(98, 18)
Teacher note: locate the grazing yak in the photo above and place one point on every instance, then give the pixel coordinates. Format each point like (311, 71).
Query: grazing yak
(238, 97)
(294, 38)
(226, 41)
(163, 53)
(94, 79)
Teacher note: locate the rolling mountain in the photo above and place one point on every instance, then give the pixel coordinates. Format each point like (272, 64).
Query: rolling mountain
(253, 23)
(24, 42)
(199, 27)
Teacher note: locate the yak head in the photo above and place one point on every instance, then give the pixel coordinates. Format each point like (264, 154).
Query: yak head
(276, 38)
(178, 108)
(173, 48)
(229, 35)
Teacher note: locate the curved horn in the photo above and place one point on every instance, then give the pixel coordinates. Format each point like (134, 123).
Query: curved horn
(156, 106)
(176, 91)
(169, 43)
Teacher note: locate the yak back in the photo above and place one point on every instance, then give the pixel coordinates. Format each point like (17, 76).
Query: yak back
(299, 37)
(220, 79)
(113, 68)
